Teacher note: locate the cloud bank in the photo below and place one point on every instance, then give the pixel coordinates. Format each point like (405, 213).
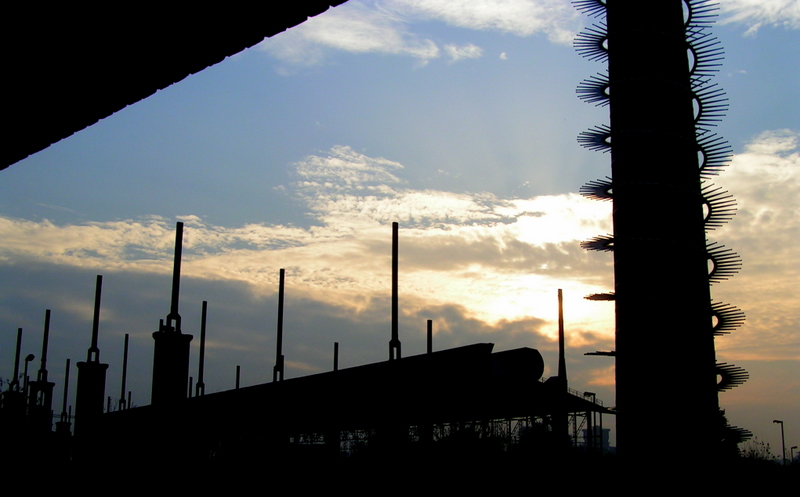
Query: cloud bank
(764, 179)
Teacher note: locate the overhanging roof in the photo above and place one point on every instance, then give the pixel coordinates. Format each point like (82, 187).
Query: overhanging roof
(68, 65)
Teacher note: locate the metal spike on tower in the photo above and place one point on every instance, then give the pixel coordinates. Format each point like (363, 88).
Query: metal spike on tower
(660, 58)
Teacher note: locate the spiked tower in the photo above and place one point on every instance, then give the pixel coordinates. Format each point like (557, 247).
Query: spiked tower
(660, 56)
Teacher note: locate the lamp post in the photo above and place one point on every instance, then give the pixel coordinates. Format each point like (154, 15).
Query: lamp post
(783, 440)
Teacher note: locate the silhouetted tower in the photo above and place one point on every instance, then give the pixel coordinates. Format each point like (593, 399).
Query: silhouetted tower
(277, 370)
(91, 391)
(171, 355)
(562, 361)
(394, 343)
(63, 425)
(122, 403)
(336, 356)
(201, 385)
(13, 406)
(561, 416)
(40, 392)
(14, 384)
(660, 57)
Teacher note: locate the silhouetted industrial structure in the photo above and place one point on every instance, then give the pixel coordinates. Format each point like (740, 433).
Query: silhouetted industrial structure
(660, 57)
(466, 399)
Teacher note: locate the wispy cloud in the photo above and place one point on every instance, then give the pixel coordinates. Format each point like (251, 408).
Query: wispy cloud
(492, 255)
(500, 258)
(457, 53)
(389, 27)
(758, 13)
(555, 18)
(354, 27)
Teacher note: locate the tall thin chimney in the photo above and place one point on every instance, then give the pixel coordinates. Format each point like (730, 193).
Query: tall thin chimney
(62, 426)
(171, 354)
(562, 362)
(430, 336)
(336, 356)
(122, 404)
(91, 376)
(277, 371)
(40, 394)
(394, 344)
(201, 386)
(14, 385)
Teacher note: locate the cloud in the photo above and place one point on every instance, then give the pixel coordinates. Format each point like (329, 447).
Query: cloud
(764, 179)
(554, 18)
(490, 254)
(457, 53)
(390, 27)
(354, 27)
(758, 13)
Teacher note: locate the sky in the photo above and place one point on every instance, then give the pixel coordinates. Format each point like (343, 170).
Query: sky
(456, 119)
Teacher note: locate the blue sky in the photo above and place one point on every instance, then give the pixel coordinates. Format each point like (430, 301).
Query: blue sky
(457, 119)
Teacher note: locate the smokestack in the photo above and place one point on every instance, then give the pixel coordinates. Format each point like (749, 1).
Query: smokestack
(91, 376)
(201, 386)
(277, 371)
(394, 344)
(96, 321)
(62, 426)
(176, 279)
(14, 385)
(562, 363)
(430, 336)
(40, 395)
(66, 393)
(122, 404)
(14, 398)
(171, 352)
(336, 356)
(42, 375)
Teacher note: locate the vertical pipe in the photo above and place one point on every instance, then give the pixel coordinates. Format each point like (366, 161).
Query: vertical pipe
(562, 363)
(277, 371)
(394, 344)
(201, 386)
(14, 385)
(336, 356)
(238, 371)
(171, 348)
(93, 350)
(176, 277)
(122, 404)
(430, 336)
(42, 376)
(66, 394)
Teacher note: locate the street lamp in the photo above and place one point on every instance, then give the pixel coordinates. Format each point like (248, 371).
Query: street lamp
(783, 441)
